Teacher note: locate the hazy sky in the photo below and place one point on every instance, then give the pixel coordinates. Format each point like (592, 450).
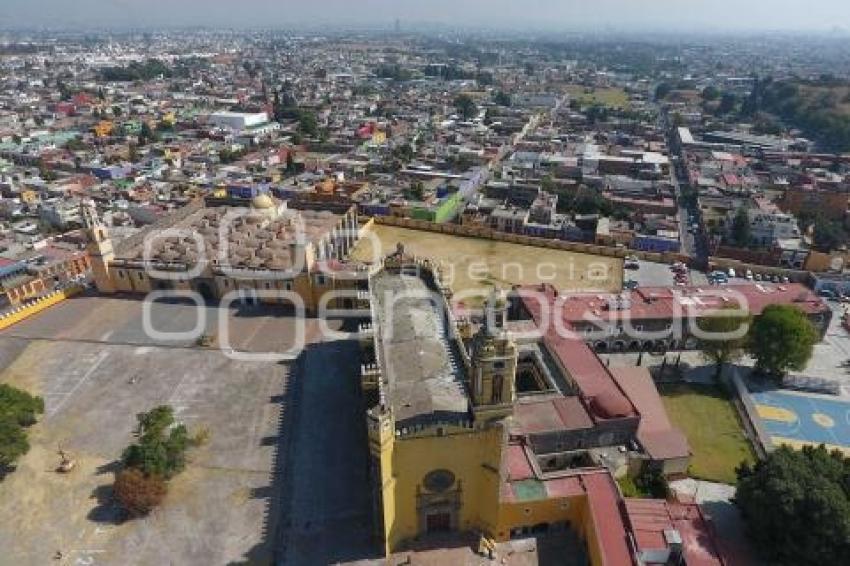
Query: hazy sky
(518, 14)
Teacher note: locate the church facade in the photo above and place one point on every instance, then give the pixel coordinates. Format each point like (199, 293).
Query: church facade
(455, 447)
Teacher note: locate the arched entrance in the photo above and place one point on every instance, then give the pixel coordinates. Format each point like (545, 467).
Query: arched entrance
(205, 290)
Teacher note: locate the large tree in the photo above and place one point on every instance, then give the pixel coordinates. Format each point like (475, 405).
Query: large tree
(781, 339)
(18, 410)
(724, 336)
(138, 493)
(162, 445)
(796, 505)
(828, 235)
(741, 228)
(465, 106)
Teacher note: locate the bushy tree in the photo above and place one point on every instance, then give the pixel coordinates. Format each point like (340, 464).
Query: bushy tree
(162, 446)
(13, 442)
(18, 410)
(828, 235)
(465, 106)
(727, 103)
(741, 228)
(138, 493)
(781, 339)
(726, 336)
(308, 125)
(796, 505)
(502, 98)
(710, 93)
(662, 90)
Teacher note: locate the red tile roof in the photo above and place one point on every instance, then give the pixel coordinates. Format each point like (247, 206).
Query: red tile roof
(519, 468)
(649, 518)
(660, 439)
(583, 366)
(677, 302)
(551, 414)
(603, 503)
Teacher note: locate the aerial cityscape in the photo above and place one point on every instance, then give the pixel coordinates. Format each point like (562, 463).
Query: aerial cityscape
(469, 283)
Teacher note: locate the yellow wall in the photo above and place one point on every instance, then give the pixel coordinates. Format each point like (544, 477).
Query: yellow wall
(22, 313)
(529, 513)
(472, 456)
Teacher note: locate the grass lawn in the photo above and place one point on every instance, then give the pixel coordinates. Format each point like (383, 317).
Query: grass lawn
(611, 97)
(708, 419)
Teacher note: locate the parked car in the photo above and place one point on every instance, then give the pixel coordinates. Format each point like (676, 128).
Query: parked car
(749, 275)
(827, 294)
(631, 284)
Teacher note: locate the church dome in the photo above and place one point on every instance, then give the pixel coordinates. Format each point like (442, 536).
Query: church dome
(262, 202)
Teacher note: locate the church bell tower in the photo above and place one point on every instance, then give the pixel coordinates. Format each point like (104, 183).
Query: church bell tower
(494, 362)
(99, 247)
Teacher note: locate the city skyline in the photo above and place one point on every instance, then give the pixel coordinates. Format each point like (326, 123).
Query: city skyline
(548, 15)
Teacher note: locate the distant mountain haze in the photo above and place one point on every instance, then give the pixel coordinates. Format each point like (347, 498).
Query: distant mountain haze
(634, 15)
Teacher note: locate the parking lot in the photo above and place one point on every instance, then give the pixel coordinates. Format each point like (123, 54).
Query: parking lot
(651, 274)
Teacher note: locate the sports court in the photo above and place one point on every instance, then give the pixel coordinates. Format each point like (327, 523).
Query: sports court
(798, 419)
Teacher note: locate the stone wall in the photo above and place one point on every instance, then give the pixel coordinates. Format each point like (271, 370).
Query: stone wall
(486, 233)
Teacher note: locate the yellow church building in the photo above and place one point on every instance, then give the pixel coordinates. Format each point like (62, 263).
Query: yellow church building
(264, 253)
(453, 445)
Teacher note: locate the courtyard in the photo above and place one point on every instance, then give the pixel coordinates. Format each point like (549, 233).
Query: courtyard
(243, 498)
(473, 266)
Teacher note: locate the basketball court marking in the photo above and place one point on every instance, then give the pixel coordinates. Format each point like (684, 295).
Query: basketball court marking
(799, 419)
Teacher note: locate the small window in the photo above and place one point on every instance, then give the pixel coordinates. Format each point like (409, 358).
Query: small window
(499, 364)
(121, 274)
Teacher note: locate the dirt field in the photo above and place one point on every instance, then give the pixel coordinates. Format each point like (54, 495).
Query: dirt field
(475, 266)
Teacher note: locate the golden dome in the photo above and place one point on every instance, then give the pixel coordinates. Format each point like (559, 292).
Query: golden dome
(262, 202)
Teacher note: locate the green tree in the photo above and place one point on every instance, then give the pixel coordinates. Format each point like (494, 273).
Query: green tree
(308, 125)
(290, 163)
(147, 134)
(741, 228)
(796, 506)
(502, 98)
(662, 90)
(727, 103)
(13, 443)
(828, 235)
(725, 336)
(161, 449)
(465, 106)
(710, 93)
(781, 339)
(18, 410)
(416, 190)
